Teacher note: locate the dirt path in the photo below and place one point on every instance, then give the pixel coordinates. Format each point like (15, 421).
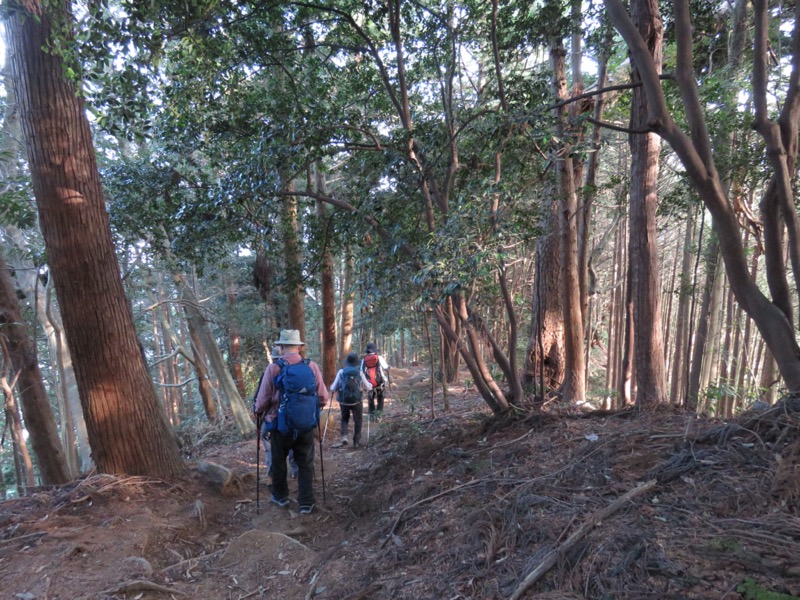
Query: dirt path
(110, 537)
(463, 505)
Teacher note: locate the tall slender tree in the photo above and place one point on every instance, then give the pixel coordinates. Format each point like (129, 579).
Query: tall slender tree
(645, 281)
(127, 429)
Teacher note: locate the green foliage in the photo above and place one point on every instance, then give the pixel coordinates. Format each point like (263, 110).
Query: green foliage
(753, 591)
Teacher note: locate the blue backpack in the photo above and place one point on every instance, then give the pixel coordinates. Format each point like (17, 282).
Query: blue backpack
(298, 411)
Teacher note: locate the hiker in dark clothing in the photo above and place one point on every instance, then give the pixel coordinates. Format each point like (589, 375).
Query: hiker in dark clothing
(377, 371)
(268, 402)
(349, 384)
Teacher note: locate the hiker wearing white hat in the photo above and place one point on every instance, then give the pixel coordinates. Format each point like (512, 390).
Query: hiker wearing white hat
(274, 355)
(291, 394)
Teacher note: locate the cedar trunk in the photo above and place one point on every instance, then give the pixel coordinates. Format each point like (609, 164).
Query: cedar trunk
(648, 341)
(127, 430)
(293, 263)
(328, 306)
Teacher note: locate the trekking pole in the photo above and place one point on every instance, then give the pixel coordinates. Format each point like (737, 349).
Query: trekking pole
(368, 420)
(330, 404)
(322, 468)
(258, 463)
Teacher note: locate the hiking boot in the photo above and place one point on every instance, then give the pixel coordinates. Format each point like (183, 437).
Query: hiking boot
(306, 509)
(344, 441)
(356, 444)
(282, 502)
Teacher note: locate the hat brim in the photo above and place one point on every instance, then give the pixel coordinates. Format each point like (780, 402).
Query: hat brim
(289, 343)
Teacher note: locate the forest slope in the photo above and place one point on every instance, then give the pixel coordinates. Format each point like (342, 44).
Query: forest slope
(459, 506)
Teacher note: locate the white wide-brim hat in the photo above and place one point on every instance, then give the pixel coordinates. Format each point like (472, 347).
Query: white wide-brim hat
(290, 337)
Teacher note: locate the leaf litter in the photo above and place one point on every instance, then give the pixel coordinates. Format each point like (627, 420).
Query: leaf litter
(561, 504)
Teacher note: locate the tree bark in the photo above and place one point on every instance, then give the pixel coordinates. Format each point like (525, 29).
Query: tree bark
(348, 302)
(679, 363)
(695, 154)
(328, 301)
(127, 430)
(39, 418)
(197, 360)
(23, 465)
(574, 384)
(234, 346)
(240, 412)
(295, 292)
(643, 255)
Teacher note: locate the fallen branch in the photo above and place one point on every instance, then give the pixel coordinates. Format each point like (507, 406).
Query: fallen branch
(551, 558)
(19, 538)
(428, 499)
(141, 585)
(188, 560)
(497, 446)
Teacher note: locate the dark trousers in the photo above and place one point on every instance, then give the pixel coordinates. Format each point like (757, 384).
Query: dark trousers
(265, 435)
(376, 393)
(357, 410)
(303, 448)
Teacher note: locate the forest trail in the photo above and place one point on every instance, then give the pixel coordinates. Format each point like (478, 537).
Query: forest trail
(458, 506)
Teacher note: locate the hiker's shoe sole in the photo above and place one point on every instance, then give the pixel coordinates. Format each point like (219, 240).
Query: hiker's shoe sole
(282, 503)
(306, 510)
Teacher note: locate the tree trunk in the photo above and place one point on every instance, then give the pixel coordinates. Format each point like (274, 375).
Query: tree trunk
(240, 412)
(693, 387)
(545, 352)
(695, 153)
(127, 430)
(293, 262)
(198, 361)
(643, 255)
(574, 384)
(710, 367)
(745, 355)
(23, 465)
(234, 346)
(679, 363)
(39, 418)
(348, 302)
(329, 358)
(726, 356)
(626, 366)
(159, 345)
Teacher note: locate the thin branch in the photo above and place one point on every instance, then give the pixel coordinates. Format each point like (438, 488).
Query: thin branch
(428, 499)
(608, 125)
(552, 557)
(603, 90)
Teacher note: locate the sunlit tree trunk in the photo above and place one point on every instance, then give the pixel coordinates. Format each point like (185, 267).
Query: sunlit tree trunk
(127, 430)
(625, 381)
(573, 385)
(708, 373)
(348, 302)
(295, 293)
(643, 255)
(23, 465)
(234, 345)
(197, 359)
(544, 357)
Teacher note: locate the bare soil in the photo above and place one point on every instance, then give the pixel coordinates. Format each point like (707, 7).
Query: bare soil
(558, 505)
